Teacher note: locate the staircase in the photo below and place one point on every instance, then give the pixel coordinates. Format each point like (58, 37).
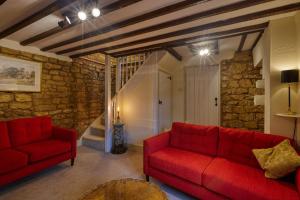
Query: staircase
(94, 136)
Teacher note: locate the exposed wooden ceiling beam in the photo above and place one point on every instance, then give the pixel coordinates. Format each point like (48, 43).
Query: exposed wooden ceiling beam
(173, 44)
(2, 2)
(216, 24)
(182, 42)
(197, 16)
(156, 13)
(53, 7)
(104, 10)
(256, 40)
(174, 53)
(217, 48)
(192, 49)
(242, 42)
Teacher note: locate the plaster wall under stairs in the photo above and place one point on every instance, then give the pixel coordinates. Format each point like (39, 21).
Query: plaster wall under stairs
(94, 136)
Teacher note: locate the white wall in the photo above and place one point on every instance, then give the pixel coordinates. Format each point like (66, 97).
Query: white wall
(174, 67)
(261, 53)
(138, 102)
(279, 49)
(297, 21)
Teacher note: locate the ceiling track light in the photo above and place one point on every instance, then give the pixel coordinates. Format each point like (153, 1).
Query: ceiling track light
(89, 10)
(68, 20)
(82, 15)
(96, 12)
(204, 52)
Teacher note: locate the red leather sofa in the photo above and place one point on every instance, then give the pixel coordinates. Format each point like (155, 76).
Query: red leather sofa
(31, 145)
(210, 162)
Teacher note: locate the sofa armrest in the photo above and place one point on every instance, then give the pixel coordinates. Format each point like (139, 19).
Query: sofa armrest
(154, 144)
(68, 135)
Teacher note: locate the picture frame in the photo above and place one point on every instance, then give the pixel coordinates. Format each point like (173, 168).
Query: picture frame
(19, 75)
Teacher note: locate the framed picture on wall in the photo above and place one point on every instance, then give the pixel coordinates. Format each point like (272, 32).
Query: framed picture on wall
(19, 75)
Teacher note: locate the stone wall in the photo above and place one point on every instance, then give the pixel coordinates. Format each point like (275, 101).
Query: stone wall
(88, 91)
(71, 93)
(238, 87)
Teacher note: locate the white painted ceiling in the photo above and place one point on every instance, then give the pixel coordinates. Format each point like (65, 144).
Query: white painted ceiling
(14, 11)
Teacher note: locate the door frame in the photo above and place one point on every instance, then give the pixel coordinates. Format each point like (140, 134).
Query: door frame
(158, 87)
(219, 90)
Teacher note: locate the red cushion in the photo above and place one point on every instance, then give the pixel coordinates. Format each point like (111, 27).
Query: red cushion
(202, 139)
(184, 164)
(29, 130)
(237, 144)
(11, 160)
(45, 149)
(4, 138)
(238, 181)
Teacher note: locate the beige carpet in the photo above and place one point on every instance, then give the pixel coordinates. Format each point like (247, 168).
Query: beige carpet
(91, 168)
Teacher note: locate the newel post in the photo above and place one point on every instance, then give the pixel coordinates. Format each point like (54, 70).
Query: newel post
(108, 107)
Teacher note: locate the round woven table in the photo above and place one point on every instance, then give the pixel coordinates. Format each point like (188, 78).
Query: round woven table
(126, 189)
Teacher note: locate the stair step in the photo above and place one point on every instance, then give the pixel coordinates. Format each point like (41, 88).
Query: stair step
(98, 126)
(97, 131)
(93, 141)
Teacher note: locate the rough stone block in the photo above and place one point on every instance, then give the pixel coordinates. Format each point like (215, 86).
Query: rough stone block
(5, 97)
(20, 105)
(40, 58)
(40, 108)
(23, 97)
(10, 51)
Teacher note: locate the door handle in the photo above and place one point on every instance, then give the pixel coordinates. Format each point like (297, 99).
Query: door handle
(159, 101)
(216, 101)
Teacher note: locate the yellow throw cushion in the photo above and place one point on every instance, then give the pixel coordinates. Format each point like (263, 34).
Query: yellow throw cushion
(278, 161)
(262, 156)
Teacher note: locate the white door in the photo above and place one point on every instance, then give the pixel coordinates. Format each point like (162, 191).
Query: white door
(202, 95)
(165, 101)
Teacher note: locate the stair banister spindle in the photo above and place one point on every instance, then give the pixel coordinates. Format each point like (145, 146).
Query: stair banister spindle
(128, 68)
(135, 63)
(140, 60)
(123, 71)
(118, 74)
(133, 66)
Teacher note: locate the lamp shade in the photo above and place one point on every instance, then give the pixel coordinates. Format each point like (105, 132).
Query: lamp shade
(290, 76)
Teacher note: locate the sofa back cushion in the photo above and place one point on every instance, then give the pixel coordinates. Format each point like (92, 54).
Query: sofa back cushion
(29, 130)
(196, 138)
(237, 145)
(4, 138)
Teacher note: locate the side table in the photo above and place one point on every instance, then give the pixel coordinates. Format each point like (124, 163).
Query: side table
(118, 139)
(295, 117)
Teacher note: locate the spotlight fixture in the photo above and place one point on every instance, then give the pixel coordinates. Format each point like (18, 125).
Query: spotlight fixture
(204, 52)
(96, 12)
(68, 20)
(82, 15)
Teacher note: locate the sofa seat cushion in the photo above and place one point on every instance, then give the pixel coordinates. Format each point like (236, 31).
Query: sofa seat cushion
(184, 164)
(238, 181)
(11, 160)
(45, 149)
